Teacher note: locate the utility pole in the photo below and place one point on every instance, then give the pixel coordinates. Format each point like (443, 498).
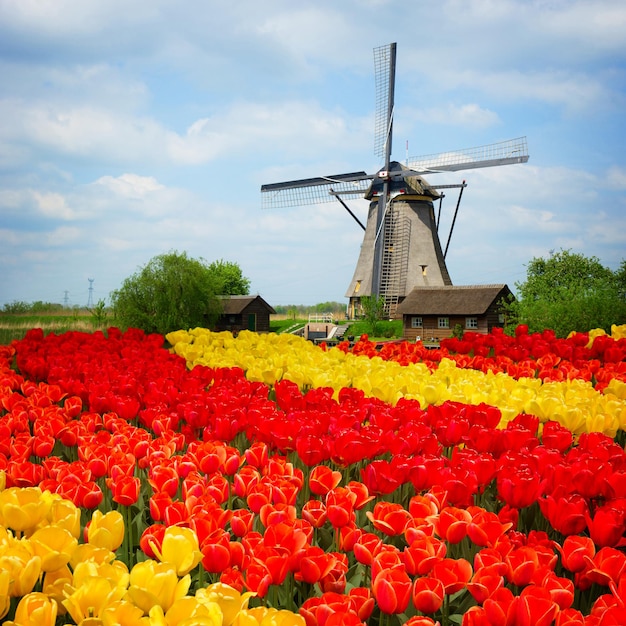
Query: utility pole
(90, 299)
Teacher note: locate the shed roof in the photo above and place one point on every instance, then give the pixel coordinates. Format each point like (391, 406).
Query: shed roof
(452, 299)
(237, 304)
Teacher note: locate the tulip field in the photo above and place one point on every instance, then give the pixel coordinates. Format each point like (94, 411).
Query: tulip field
(203, 479)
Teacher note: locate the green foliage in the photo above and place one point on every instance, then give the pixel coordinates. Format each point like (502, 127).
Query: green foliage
(386, 329)
(36, 308)
(99, 314)
(373, 308)
(338, 309)
(171, 292)
(229, 280)
(569, 291)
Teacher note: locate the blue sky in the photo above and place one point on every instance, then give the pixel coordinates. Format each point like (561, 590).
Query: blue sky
(133, 128)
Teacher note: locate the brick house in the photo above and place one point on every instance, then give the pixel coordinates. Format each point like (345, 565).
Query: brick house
(432, 313)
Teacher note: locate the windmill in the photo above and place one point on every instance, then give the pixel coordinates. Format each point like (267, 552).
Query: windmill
(401, 248)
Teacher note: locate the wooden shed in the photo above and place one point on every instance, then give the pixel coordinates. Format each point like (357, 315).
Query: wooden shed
(432, 313)
(244, 313)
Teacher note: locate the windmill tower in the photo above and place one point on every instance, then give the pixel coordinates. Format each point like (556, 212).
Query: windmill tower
(401, 248)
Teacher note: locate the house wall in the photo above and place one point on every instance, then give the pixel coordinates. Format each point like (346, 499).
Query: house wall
(430, 326)
(236, 322)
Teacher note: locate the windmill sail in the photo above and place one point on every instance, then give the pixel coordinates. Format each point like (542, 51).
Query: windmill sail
(401, 247)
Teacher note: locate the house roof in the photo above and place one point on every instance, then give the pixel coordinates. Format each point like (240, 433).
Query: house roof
(237, 304)
(452, 299)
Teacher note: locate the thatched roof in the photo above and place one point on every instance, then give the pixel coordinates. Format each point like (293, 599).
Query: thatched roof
(452, 300)
(234, 305)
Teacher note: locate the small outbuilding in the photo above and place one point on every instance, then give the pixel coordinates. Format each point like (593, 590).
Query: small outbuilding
(432, 313)
(244, 313)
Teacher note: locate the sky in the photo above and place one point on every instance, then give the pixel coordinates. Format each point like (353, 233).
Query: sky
(134, 128)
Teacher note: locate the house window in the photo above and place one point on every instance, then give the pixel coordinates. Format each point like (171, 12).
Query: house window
(416, 322)
(471, 322)
(501, 318)
(443, 322)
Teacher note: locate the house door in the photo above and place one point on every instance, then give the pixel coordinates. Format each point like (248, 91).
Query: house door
(251, 321)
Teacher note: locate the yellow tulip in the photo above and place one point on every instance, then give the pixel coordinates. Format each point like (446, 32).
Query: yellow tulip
(180, 548)
(35, 609)
(188, 611)
(91, 598)
(121, 612)
(618, 332)
(87, 552)
(116, 573)
(54, 583)
(154, 583)
(263, 616)
(271, 357)
(230, 601)
(3, 480)
(5, 598)
(54, 545)
(17, 558)
(22, 509)
(64, 513)
(106, 530)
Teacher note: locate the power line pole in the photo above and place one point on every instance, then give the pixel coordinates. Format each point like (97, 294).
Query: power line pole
(90, 299)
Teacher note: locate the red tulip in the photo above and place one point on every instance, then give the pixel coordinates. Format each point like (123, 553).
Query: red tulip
(570, 617)
(519, 485)
(485, 582)
(314, 512)
(322, 479)
(608, 565)
(152, 536)
(335, 580)
(164, 478)
(561, 590)
(500, 607)
(452, 523)
(576, 552)
(421, 620)
(392, 590)
(389, 518)
(241, 522)
(607, 526)
(314, 564)
(454, 573)
(535, 607)
(340, 506)
(421, 555)
(566, 513)
(428, 594)
(215, 550)
(367, 547)
(361, 492)
(485, 528)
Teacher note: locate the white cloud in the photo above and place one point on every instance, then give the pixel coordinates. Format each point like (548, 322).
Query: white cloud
(616, 178)
(54, 205)
(131, 186)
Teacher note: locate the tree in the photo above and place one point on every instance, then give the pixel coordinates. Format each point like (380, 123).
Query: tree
(229, 279)
(171, 292)
(373, 308)
(569, 291)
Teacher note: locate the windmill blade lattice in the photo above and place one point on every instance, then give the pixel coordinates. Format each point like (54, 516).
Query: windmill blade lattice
(314, 190)
(491, 155)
